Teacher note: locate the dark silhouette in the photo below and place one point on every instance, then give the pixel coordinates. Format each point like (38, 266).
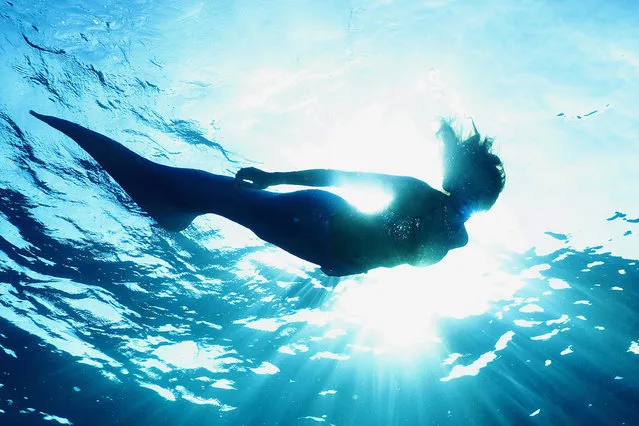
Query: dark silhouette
(418, 227)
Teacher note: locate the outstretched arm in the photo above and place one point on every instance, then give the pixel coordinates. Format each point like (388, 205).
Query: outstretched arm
(410, 195)
(252, 177)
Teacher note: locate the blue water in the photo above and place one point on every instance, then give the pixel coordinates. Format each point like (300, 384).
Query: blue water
(106, 319)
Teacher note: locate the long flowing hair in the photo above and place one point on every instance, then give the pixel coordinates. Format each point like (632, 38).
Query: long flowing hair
(473, 174)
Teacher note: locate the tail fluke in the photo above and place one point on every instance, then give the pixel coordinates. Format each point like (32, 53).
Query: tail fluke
(149, 184)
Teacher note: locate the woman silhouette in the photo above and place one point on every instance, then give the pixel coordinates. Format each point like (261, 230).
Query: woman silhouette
(418, 227)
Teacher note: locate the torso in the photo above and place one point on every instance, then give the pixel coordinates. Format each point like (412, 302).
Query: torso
(365, 241)
(358, 242)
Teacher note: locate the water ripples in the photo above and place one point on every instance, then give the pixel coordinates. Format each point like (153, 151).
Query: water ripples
(99, 308)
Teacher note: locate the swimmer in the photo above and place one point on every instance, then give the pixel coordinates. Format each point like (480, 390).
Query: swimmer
(419, 226)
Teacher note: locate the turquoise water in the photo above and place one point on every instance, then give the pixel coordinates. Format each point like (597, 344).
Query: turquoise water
(106, 319)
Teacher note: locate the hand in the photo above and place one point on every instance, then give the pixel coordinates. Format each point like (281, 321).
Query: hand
(251, 177)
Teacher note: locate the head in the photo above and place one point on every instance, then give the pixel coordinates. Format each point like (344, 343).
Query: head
(473, 175)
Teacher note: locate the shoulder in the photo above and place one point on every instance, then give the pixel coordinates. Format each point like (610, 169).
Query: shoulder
(416, 198)
(412, 185)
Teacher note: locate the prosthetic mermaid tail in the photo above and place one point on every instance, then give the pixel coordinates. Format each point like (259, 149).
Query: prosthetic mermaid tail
(149, 184)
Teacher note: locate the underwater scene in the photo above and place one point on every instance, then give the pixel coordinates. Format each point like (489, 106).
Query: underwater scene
(107, 317)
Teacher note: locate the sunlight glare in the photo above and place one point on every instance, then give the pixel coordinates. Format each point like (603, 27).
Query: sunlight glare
(379, 138)
(398, 308)
(365, 199)
(394, 317)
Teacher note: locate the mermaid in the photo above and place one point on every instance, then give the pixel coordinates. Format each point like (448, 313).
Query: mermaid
(418, 227)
